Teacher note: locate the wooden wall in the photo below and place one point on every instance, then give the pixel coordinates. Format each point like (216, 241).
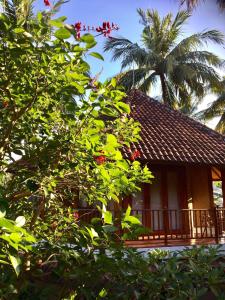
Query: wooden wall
(199, 187)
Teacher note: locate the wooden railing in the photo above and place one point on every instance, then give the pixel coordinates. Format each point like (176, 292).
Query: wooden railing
(171, 224)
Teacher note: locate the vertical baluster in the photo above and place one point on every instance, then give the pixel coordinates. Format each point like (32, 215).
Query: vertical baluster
(200, 214)
(176, 222)
(206, 223)
(216, 224)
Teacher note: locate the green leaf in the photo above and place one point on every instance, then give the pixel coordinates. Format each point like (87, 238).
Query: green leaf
(103, 293)
(112, 140)
(97, 55)
(16, 262)
(92, 232)
(62, 34)
(128, 211)
(132, 220)
(19, 30)
(107, 215)
(56, 23)
(88, 38)
(113, 82)
(124, 107)
(2, 214)
(109, 228)
(7, 224)
(16, 237)
(3, 262)
(20, 221)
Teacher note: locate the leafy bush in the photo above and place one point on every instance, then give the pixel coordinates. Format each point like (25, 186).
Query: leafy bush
(121, 273)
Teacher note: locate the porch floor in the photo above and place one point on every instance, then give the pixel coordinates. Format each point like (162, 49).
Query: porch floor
(172, 243)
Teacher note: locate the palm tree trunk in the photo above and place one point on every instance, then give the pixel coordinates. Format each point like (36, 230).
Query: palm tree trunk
(165, 95)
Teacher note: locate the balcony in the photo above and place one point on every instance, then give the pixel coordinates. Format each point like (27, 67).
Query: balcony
(172, 227)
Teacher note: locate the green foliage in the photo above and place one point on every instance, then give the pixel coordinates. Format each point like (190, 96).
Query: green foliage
(121, 273)
(56, 119)
(183, 68)
(13, 238)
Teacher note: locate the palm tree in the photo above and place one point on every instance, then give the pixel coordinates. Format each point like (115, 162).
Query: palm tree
(217, 108)
(18, 10)
(193, 3)
(181, 69)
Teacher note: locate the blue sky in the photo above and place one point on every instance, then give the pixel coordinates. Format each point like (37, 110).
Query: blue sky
(123, 12)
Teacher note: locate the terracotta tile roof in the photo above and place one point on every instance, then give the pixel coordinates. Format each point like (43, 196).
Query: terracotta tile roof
(170, 136)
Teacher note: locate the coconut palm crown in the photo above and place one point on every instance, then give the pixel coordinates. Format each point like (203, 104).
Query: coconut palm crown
(216, 108)
(193, 3)
(179, 66)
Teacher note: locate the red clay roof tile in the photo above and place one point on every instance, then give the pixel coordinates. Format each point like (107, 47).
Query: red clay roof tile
(170, 136)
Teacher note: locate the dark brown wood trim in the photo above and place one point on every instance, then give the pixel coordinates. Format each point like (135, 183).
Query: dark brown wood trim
(147, 195)
(210, 186)
(164, 188)
(127, 201)
(223, 185)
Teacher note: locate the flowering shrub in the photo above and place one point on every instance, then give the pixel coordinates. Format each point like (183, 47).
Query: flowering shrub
(62, 134)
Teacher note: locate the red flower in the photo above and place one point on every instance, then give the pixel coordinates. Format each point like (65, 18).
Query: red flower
(135, 154)
(47, 3)
(77, 26)
(76, 215)
(101, 159)
(5, 104)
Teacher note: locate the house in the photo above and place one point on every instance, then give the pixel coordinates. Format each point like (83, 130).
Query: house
(185, 157)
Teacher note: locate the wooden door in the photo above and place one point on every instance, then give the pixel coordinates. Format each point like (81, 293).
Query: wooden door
(158, 205)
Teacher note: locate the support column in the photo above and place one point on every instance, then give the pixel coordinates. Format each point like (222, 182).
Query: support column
(211, 201)
(223, 185)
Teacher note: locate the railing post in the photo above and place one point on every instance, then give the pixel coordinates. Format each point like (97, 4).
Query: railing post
(215, 215)
(165, 224)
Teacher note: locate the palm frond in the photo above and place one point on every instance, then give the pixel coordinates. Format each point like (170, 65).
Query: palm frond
(220, 127)
(197, 40)
(148, 83)
(205, 57)
(193, 3)
(133, 78)
(216, 108)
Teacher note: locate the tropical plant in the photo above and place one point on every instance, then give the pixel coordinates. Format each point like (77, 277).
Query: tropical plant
(216, 109)
(193, 3)
(181, 68)
(62, 134)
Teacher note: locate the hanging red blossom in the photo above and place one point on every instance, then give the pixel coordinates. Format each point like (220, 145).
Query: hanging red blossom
(135, 154)
(47, 3)
(105, 29)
